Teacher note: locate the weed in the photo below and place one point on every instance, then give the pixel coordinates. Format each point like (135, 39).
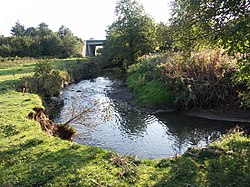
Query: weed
(127, 165)
(204, 80)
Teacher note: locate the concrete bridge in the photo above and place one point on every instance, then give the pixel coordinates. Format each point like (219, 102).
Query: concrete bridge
(90, 47)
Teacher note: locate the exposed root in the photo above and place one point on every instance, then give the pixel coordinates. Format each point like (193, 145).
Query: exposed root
(49, 126)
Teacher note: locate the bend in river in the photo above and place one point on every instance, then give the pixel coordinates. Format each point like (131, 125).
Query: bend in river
(111, 122)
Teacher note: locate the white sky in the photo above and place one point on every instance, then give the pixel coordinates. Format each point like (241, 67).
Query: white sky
(85, 18)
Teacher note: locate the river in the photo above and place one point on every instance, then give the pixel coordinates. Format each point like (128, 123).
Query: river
(113, 123)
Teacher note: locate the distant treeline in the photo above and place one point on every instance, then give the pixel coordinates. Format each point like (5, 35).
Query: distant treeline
(40, 42)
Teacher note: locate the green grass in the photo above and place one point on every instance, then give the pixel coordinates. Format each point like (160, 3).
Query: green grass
(150, 93)
(30, 157)
(9, 76)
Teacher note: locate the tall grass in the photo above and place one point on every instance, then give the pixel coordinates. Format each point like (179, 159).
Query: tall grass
(204, 80)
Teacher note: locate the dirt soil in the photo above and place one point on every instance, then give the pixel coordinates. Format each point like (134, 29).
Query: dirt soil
(225, 114)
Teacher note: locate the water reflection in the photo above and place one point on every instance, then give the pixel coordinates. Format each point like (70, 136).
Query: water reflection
(114, 125)
(130, 122)
(193, 131)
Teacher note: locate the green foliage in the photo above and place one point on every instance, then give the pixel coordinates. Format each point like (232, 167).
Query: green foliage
(204, 80)
(131, 35)
(42, 68)
(29, 157)
(47, 85)
(40, 42)
(46, 81)
(164, 37)
(81, 68)
(144, 80)
(243, 78)
(224, 23)
(18, 29)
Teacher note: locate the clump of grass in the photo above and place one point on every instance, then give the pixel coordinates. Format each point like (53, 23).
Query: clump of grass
(223, 163)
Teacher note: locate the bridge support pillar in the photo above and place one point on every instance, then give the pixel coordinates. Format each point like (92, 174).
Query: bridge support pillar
(90, 47)
(90, 50)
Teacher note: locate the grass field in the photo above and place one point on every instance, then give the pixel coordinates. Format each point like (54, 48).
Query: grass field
(30, 157)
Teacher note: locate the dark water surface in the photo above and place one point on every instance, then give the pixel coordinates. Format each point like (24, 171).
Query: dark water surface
(114, 125)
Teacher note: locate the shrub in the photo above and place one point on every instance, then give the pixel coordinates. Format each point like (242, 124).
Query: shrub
(42, 68)
(83, 69)
(243, 78)
(204, 80)
(45, 82)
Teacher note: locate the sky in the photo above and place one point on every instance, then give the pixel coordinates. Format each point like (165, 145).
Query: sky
(85, 18)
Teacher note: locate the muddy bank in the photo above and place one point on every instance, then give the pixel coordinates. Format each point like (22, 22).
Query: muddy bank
(50, 127)
(234, 114)
(224, 114)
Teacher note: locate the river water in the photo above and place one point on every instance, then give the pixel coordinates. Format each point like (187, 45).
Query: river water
(112, 123)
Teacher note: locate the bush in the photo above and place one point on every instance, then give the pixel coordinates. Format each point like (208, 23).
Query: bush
(83, 69)
(243, 78)
(42, 68)
(204, 80)
(45, 82)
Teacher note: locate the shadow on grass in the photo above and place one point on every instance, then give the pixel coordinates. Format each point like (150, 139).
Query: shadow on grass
(231, 170)
(26, 145)
(16, 71)
(183, 173)
(44, 166)
(8, 84)
(224, 170)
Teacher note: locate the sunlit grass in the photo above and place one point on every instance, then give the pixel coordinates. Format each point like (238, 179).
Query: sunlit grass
(30, 157)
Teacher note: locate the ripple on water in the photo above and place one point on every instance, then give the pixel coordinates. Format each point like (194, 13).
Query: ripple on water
(114, 125)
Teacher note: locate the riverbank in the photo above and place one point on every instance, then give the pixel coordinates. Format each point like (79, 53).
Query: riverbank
(224, 114)
(30, 157)
(203, 85)
(234, 114)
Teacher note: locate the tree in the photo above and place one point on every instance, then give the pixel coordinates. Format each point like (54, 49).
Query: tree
(221, 22)
(43, 30)
(164, 36)
(71, 46)
(131, 35)
(40, 41)
(18, 29)
(52, 45)
(224, 23)
(31, 32)
(21, 46)
(64, 31)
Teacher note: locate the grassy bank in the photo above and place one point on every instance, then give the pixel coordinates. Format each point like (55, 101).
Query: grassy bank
(30, 157)
(207, 79)
(144, 79)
